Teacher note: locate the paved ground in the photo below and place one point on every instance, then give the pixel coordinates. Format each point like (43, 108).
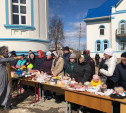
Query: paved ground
(24, 106)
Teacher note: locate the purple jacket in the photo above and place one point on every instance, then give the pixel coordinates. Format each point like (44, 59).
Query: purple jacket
(46, 67)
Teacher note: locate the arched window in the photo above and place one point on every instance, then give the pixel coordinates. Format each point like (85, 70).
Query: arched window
(105, 44)
(122, 27)
(122, 45)
(98, 46)
(102, 30)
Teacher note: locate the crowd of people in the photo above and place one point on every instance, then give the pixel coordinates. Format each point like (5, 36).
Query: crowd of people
(80, 69)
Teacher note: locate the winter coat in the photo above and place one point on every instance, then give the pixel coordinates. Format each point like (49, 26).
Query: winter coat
(69, 68)
(111, 63)
(20, 63)
(119, 76)
(91, 62)
(30, 61)
(38, 63)
(57, 68)
(66, 57)
(82, 72)
(46, 67)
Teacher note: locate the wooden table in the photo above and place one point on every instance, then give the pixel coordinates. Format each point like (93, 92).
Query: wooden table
(101, 103)
(31, 83)
(122, 105)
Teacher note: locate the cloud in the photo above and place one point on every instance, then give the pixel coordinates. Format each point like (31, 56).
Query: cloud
(72, 35)
(75, 29)
(74, 43)
(52, 13)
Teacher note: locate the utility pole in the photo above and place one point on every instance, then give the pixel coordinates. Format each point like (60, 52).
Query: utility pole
(79, 37)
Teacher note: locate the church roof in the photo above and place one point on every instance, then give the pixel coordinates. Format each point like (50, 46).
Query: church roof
(103, 10)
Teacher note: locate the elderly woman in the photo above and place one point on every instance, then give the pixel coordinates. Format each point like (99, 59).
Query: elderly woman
(82, 70)
(57, 65)
(5, 97)
(46, 67)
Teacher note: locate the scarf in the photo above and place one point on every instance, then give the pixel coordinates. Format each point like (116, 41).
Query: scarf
(41, 52)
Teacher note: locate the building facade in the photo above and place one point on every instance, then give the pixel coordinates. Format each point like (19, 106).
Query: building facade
(24, 25)
(106, 27)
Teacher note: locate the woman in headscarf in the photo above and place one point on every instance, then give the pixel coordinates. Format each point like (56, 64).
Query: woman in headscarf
(5, 78)
(82, 70)
(39, 60)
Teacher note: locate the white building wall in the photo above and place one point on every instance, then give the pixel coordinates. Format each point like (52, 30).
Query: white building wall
(93, 34)
(121, 6)
(40, 22)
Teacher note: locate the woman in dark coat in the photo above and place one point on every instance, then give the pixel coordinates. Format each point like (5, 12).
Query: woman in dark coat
(39, 60)
(5, 97)
(82, 71)
(30, 60)
(46, 67)
(119, 76)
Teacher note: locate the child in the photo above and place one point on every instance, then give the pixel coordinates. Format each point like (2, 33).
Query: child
(95, 81)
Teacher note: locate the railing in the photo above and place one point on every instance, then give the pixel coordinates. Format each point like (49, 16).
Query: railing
(121, 32)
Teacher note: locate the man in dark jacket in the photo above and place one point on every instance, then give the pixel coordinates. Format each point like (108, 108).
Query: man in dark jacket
(119, 76)
(66, 56)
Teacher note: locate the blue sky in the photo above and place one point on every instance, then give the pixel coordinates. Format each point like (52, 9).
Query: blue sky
(72, 12)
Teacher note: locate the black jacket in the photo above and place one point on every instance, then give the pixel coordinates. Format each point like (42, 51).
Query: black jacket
(82, 72)
(91, 62)
(66, 57)
(119, 76)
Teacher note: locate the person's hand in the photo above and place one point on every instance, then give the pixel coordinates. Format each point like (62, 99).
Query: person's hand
(10, 55)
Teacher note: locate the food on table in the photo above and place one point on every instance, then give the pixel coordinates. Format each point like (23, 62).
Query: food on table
(119, 89)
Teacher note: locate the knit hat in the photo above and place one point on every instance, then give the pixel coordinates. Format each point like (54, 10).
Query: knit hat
(82, 56)
(55, 54)
(123, 55)
(48, 53)
(95, 77)
(66, 48)
(108, 51)
(73, 56)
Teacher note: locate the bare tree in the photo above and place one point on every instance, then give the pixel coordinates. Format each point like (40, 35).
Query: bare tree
(56, 30)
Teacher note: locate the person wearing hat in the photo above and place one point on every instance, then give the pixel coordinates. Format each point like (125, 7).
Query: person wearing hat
(110, 62)
(82, 71)
(46, 66)
(119, 75)
(57, 65)
(66, 56)
(39, 60)
(70, 65)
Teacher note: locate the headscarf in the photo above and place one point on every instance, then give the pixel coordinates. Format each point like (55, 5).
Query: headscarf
(41, 52)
